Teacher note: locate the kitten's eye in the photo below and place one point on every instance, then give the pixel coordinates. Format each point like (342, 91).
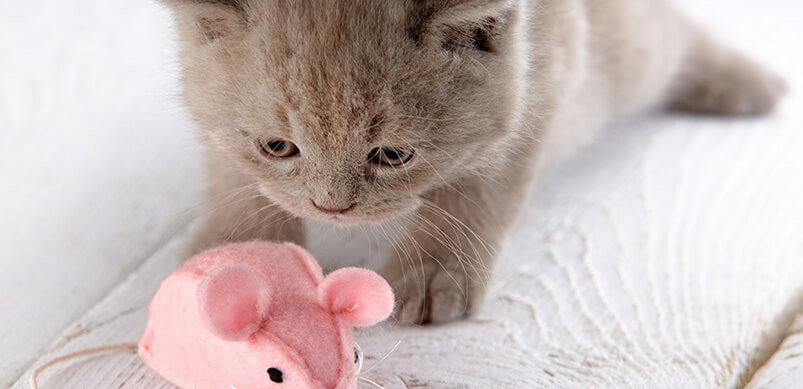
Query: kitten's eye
(390, 156)
(480, 36)
(275, 375)
(277, 148)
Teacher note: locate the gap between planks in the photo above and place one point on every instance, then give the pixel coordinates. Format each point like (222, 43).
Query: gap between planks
(773, 339)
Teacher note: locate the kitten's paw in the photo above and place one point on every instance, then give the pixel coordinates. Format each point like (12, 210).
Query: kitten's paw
(734, 86)
(432, 295)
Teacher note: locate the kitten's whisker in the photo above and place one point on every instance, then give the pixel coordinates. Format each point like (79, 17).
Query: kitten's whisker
(405, 255)
(450, 185)
(387, 354)
(421, 283)
(286, 218)
(476, 261)
(233, 191)
(229, 204)
(228, 194)
(242, 220)
(371, 127)
(482, 177)
(444, 119)
(437, 260)
(444, 239)
(461, 223)
(395, 250)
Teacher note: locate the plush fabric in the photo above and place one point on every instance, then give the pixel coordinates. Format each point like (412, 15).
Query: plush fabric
(261, 315)
(357, 296)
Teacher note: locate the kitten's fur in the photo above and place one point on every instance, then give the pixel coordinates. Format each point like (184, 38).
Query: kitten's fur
(485, 91)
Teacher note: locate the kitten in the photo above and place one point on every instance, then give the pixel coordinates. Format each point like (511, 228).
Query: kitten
(435, 112)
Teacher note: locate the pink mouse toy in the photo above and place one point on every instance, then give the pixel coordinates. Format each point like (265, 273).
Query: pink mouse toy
(261, 315)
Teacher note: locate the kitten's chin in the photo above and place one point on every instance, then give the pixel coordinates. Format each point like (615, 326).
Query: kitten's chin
(350, 220)
(354, 218)
(344, 220)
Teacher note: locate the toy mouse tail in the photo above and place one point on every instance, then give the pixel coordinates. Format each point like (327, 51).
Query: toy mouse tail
(77, 354)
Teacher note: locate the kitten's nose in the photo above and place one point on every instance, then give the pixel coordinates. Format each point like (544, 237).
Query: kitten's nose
(332, 211)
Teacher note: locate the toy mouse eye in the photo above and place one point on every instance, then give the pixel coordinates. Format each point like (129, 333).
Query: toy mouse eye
(275, 375)
(357, 357)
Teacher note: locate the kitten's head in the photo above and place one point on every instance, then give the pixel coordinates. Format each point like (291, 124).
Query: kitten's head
(351, 110)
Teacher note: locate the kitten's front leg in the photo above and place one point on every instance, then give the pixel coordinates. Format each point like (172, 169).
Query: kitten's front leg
(236, 211)
(441, 269)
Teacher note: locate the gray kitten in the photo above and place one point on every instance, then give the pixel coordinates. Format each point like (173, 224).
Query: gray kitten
(437, 113)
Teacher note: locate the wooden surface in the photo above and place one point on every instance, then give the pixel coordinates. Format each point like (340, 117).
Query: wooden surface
(667, 255)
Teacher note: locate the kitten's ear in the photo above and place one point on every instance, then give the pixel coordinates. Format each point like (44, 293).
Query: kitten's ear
(205, 21)
(464, 24)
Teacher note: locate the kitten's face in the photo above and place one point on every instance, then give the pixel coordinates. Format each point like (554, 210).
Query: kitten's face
(351, 111)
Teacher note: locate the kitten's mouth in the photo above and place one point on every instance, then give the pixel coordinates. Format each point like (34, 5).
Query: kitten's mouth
(355, 213)
(337, 214)
(349, 216)
(344, 218)
(333, 211)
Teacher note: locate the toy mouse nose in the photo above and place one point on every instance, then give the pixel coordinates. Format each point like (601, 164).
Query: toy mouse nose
(334, 210)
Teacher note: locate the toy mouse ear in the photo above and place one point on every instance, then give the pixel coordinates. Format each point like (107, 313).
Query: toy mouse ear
(233, 302)
(359, 297)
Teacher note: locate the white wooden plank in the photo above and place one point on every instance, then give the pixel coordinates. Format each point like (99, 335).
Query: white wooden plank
(98, 164)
